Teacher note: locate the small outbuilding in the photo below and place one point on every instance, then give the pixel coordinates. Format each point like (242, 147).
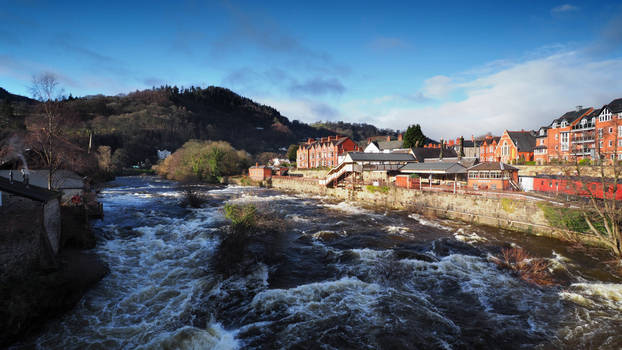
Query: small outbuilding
(260, 172)
(493, 176)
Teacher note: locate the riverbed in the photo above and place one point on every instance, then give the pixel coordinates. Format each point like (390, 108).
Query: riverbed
(343, 277)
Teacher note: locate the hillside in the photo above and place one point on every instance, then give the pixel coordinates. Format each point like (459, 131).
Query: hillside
(136, 124)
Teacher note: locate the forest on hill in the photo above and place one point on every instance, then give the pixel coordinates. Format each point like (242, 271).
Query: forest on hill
(135, 125)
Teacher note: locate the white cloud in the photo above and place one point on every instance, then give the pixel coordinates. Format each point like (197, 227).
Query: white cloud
(525, 95)
(305, 110)
(565, 8)
(438, 86)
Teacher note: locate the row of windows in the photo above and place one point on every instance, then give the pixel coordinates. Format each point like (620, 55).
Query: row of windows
(487, 175)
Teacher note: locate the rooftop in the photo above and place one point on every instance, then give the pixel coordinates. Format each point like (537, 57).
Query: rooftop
(381, 157)
(492, 166)
(434, 168)
(35, 193)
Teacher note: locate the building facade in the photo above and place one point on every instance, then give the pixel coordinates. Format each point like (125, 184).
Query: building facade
(515, 145)
(324, 152)
(487, 148)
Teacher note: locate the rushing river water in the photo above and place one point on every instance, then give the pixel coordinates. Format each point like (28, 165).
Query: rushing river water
(345, 278)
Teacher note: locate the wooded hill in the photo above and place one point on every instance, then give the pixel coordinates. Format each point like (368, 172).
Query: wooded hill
(136, 124)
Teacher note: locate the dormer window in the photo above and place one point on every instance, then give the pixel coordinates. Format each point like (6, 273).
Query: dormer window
(554, 126)
(593, 120)
(564, 124)
(605, 115)
(584, 121)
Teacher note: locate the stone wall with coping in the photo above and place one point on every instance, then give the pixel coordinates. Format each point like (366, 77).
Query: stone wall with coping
(503, 212)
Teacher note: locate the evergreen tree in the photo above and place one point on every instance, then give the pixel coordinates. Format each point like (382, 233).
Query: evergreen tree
(291, 152)
(413, 137)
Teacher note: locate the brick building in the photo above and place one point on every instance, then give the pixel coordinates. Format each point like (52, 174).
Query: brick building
(487, 148)
(324, 152)
(515, 145)
(492, 176)
(259, 172)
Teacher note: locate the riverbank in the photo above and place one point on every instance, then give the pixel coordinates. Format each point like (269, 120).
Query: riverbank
(522, 213)
(33, 293)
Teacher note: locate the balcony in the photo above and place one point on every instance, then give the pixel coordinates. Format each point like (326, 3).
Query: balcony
(582, 152)
(583, 127)
(583, 139)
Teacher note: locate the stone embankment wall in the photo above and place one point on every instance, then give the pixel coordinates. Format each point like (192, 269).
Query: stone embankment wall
(504, 212)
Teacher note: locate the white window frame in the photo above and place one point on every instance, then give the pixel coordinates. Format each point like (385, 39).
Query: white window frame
(604, 116)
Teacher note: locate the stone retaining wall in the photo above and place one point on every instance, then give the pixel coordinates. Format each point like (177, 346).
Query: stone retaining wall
(504, 212)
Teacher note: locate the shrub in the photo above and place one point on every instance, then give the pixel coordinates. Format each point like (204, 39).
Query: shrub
(531, 162)
(204, 161)
(192, 198)
(413, 176)
(529, 269)
(584, 162)
(242, 217)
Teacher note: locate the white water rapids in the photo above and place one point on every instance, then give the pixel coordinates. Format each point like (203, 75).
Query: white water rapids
(345, 277)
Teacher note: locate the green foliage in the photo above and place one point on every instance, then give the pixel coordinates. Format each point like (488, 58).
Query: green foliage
(204, 161)
(291, 152)
(414, 137)
(584, 161)
(413, 176)
(374, 189)
(567, 218)
(242, 217)
(531, 162)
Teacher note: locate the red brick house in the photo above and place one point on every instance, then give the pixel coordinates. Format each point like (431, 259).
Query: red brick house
(492, 176)
(515, 145)
(324, 152)
(487, 148)
(259, 172)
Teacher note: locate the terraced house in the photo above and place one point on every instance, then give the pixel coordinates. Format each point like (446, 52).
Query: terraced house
(585, 133)
(324, 152)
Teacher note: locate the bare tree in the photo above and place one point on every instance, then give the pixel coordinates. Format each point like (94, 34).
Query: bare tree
(596, 195)
(46, 137)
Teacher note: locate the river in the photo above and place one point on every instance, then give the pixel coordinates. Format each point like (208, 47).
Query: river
(344, 278)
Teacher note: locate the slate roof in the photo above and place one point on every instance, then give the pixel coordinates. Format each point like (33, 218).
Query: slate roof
(466, 161)
(525, 141)
(381, 157)
(435, 167)
(395, 144)
(571, 116)
(35, 193)
(421, 153)
(492, 166)
(491, 140)
(615, 106)
(332, 142)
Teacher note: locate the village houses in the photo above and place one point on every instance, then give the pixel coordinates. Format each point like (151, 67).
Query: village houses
(324, 152)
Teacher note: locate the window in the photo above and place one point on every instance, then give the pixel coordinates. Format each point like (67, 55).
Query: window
(556, 137)
(541, 132)
(542, 142)
(554, 126)
(620, 156)
(564, 124)
(604, 116)
(565, 139)
(610, 143)
(619, 130)
(601, 144)
(600, 133)
(505, 150)
(611, 130)
(620, 143)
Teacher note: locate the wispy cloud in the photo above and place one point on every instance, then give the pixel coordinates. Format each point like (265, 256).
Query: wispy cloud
(525, 95)
(318, 86)
(303, 109)
(565, 8)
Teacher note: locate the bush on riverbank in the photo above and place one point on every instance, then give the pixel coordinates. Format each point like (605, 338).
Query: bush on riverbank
(253, 236)
(522, 264)
(207, 161)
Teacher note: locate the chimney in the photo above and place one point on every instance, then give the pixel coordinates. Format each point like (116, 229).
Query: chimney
(473, 139)
(400, 137)
(369, 140)
(257, 165)
(388, 138)
(579, 108)
(309, 140)
(328, 139)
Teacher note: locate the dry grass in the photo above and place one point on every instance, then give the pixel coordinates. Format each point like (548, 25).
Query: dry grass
(522, 264)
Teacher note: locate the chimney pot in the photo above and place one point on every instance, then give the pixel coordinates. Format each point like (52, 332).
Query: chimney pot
(388, 138)
(400, 137)
(257, 164)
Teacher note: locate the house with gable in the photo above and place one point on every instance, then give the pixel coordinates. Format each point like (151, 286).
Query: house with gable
(385, 145)
(515, 145)
(324, 152)
(559, 134)
(487, 148)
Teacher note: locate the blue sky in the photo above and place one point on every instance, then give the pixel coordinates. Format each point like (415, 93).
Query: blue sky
(457, 68)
